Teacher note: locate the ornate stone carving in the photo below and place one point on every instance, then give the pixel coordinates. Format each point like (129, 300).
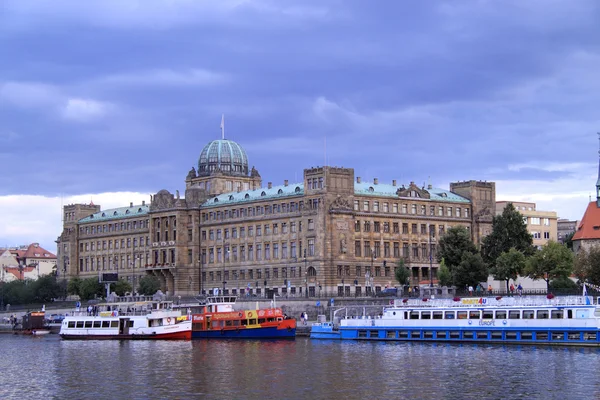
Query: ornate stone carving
(340, 203)
(343, 245)
(413, 191)
(192, 174)
(254, 173)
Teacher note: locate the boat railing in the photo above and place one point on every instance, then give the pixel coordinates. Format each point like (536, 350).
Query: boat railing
(118, 313)
(518, 301)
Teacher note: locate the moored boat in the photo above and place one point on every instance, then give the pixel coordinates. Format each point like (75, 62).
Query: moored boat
(154, 320)
(551, 320)
(216, 318)
(33, 323)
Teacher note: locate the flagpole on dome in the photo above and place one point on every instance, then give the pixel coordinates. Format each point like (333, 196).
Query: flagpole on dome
(223, 126)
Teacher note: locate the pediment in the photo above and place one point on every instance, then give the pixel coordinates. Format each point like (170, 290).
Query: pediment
(413, 191)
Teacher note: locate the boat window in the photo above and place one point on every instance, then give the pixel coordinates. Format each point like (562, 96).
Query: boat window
(488, 314)
(131, 324)
(589, 336)
(88, 324)
(501, 314)
(252, 321)
(511, 335)
(597, 312)
(114, 324)
(79, 324)
(514, 314)
(527, 314)
(228, 323)
(574, 336)
(244, 322)
(542, 314)
(558, 336)
(414, 315)
(426, 315)
(215, 324)
(97, 324)
(449, 314)
(71, 324)
(262, 320)
(496, 335)
(268, 319)
(462, 314)
(474, 314)
(526, 335)
(438, 315)
(236, 322)
(541, 336)
(105, 324)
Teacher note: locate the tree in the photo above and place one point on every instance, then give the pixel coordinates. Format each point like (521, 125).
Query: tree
(402, 273)
(563, 284)
(508, 231)
(73, 286)
(509, 265)
(569, 240)
(121, 287)
(90, 288)
(45, 289)
(444, 275)
(471, 270)
(453, 245)
(149, 285)
(553, 261)
(587, 265)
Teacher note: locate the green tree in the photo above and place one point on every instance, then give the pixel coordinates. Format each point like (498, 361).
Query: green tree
(45, 288)
(508, 231)
(90, 288)
(563, 283)
(509, 265)
(444, 275)
(73, 286)
(569, 240)
(121, 287)
(402, 273)
(471, 270)
(553, 261)
(587, 265)
(149, 285)
(453, 245)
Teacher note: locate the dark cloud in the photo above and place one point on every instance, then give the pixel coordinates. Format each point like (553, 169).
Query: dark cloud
(112, 98)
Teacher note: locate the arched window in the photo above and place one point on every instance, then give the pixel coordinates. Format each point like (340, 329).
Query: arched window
(216, 200)
(311, 271)
(247, 196)
(371, 189)
(297, 190)
(126, 211)
(263, 194)
(104, 215)
(231, 197)
(140, 209)
(115, 213)
(280, 191)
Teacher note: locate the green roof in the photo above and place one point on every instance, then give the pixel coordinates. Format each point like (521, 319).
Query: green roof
(117, 213)
(363, 189)
(257, 194)
(386, 190)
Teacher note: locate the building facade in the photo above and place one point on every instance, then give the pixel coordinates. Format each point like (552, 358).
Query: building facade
(565, 228)
(543, 225)
(331, 233)
(26, 262)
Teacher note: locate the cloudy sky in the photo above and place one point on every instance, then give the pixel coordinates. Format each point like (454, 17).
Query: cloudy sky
(113, 100)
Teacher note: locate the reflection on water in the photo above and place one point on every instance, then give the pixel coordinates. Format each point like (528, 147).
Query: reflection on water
(50, 368)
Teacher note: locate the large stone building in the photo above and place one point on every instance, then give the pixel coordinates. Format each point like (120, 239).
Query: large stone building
(331, 233)
(541, 224)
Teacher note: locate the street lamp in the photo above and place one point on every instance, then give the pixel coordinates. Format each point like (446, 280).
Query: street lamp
(226, 259)
(430, 258)
(373, 258)
(343, 288)
(305, 275)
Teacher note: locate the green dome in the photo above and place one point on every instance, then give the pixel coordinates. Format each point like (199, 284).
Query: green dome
(225, 156)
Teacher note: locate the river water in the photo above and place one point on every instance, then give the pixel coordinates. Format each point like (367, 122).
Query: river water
(49, 368)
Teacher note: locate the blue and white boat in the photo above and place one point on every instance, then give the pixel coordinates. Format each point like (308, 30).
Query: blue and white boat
(573, 320)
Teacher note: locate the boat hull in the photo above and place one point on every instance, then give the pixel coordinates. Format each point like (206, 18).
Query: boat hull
(183, 335)
(246, 333)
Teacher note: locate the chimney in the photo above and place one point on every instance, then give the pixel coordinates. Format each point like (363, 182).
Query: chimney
(131, 204)
(143, 202)
(285, 182)
(269, 185)
(358, 179)
(375, 181)
(393, 182)
(412, 183)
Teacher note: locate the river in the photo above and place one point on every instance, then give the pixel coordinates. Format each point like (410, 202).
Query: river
(50, 368)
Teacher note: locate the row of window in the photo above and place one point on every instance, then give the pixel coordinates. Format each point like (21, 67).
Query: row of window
(258, 252)
(415, 229)
(536, 221)
(392, 249)
(142, 241)
(490, 314)
(415, 209)
(538, 235)
(258, 230)
(116, 262)
(257, 273)
(114, 227)
(278, 208)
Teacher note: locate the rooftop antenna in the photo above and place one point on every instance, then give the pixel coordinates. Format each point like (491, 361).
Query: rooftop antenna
(223, 126)
(325, 146)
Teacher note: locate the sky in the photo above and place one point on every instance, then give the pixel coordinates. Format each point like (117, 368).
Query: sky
(113, 100)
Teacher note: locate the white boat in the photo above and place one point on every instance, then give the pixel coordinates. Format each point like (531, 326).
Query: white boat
(40, 332)
(571, 320)
(156, 320)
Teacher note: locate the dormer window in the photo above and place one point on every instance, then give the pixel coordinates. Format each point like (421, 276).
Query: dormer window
(247, 196)
(280, 191)
(216, 200)
(231, 197)
(126, 211)
(140, 209)
(371, 190)
(297, 190)
(115, 213)
(104, 215)
(262, 194)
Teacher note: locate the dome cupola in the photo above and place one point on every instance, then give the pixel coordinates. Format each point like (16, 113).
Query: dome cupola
(223, 156)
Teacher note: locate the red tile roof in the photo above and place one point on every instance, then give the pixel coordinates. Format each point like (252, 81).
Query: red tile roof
(36, 251)
(589, 227)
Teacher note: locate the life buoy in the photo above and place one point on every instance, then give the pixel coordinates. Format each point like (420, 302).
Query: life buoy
(249, 314)
(240, 314)
(169, 320)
